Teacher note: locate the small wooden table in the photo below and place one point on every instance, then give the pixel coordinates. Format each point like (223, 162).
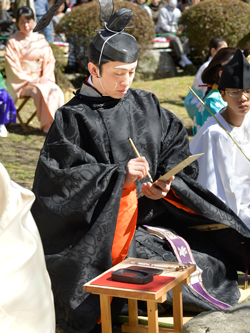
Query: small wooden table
(151, 297)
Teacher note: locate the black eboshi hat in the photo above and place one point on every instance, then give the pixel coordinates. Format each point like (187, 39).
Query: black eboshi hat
(236, 73)
(219, 61)
(113, 42)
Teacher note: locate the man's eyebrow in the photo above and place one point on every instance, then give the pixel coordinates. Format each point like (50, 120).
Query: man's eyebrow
(125, 67)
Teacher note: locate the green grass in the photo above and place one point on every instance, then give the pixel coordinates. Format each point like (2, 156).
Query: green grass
(19, 153)
(171, 93)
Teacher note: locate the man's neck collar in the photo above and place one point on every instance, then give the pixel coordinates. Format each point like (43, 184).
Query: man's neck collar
(88, 89)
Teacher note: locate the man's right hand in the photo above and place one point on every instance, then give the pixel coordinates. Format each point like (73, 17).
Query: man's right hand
(136, 168)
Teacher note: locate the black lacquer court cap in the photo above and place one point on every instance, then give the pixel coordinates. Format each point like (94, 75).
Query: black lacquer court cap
(236, 73)
(113, 42)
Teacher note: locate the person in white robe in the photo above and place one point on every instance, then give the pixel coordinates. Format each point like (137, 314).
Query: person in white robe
(26, 300)
(224, 169)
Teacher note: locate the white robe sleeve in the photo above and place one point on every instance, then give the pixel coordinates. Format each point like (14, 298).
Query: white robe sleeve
(26, 301)
(219, 169)
(214, 170)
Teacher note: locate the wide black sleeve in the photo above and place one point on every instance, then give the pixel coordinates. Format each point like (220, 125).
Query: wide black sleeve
(73, 187)
(174, 146)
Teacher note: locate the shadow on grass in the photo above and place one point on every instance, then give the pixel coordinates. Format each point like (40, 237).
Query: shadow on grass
(172, 102)
(17, 129)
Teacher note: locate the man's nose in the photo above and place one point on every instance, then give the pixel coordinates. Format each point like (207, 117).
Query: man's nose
(125, 80)
(243, 95)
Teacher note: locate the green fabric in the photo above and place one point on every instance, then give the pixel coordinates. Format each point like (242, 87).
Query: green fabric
(214, 103)
(2, 84)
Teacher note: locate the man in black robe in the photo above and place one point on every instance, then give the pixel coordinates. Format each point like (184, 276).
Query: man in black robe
(87, 164)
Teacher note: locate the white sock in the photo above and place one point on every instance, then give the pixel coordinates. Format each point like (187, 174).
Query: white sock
(3, 131)
(182, 63)
(186, 60)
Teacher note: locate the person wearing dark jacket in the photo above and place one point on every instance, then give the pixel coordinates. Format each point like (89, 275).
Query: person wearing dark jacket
(7, 25)
(155, 7)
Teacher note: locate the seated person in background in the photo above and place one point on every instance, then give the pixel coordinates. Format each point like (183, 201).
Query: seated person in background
(184, 4)
(7, 108)
(87, 180)
(191, 102)
(26, 302)
(55, 20)
(29, 66)
(155, 7)
(142, 3)
(21, 3)
(66, 8)
(224, 169)
(211, 76)
(7, 23)
(74, 54)
(41, 7)
(168, 25)
(11, 10)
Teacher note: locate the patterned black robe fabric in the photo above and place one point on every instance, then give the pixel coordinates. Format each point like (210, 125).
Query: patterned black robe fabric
(78, 186)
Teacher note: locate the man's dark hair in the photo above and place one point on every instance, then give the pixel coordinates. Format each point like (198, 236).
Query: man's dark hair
(80, 2)
(215, 43)
(210, 74)
(26, 11)
(94, 55)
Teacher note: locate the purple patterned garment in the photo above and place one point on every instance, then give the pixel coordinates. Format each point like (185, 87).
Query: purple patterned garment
(7, 108)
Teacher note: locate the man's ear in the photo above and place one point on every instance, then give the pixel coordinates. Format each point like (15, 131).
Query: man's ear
(212, 52)
(222, 92)
(93, 69)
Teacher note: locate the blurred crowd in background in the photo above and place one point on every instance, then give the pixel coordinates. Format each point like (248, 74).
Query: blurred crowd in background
(165, 20)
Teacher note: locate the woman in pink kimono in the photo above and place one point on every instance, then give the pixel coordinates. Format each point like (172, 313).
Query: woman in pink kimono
(29, 67)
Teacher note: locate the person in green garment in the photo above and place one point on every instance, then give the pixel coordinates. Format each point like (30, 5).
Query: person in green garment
(211, 77)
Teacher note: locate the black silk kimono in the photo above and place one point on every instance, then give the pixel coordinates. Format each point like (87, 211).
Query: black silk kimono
(78, 186)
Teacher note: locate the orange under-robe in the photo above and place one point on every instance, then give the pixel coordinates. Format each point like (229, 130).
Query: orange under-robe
(127, 218)
(27, 59)
(126, 224)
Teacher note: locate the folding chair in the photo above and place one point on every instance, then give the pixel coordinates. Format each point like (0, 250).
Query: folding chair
(18, 111)
(68, 94)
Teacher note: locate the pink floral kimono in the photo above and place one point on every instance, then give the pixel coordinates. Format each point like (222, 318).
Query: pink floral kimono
(26, 60)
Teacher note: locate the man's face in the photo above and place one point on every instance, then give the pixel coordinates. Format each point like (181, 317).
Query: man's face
(237, 106)
(116, 78)
(25, 25)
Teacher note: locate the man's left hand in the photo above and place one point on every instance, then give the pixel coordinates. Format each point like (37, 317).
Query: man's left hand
(157, 192)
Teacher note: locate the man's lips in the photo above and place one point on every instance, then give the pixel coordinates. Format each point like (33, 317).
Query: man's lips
(123, 91)
(244, 106)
